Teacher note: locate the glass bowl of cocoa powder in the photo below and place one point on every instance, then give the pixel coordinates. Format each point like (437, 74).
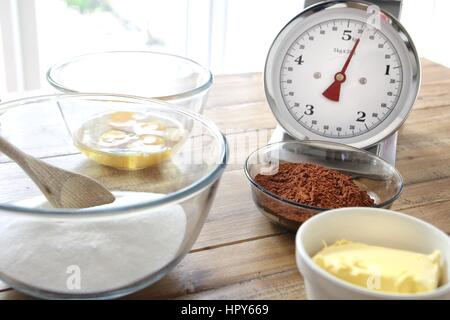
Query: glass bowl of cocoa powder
(295, 180)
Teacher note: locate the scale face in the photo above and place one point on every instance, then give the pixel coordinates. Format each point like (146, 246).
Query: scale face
(342, 71)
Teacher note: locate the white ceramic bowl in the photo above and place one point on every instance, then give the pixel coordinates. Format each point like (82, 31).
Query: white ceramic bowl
(372, 226)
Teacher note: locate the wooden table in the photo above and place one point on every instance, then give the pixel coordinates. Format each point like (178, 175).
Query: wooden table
(240, 254)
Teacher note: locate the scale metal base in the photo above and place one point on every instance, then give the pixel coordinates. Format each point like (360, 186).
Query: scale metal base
(385, 149)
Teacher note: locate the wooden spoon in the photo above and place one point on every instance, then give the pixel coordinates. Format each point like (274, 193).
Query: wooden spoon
(63, 189)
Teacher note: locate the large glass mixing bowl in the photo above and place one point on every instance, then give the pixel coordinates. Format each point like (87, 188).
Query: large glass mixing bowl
(173, 79)
(101, 252)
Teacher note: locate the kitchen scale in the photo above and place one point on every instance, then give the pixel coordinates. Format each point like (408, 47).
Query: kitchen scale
(343, 71)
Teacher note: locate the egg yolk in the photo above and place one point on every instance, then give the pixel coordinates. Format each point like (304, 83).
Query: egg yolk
(129, 140)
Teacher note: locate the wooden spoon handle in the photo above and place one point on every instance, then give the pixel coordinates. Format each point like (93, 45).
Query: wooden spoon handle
(13, 153)
(62, 188)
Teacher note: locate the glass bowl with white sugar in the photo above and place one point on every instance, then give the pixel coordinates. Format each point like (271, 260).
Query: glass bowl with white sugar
(162, 164)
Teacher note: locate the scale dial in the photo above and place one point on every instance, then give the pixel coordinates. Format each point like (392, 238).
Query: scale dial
(332, 75)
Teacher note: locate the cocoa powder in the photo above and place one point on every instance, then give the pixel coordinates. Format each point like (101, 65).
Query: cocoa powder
(315, 186)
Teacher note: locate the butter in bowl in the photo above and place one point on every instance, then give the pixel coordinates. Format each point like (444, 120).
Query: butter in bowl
(372, 253)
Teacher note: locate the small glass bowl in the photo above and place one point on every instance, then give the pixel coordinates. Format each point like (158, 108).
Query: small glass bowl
(170, 78)
(371, 173)
(149, 232)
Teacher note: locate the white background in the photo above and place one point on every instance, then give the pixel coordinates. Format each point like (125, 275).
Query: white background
(228, 36)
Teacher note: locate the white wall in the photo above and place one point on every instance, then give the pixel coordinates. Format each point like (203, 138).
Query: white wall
(428, 23)
(228, 36)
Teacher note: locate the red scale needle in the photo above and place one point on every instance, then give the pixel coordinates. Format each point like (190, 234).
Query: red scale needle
(334, 90)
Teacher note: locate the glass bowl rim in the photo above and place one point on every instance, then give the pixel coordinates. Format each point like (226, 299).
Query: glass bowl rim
(315, 143)
(178, 195)
(56, 68)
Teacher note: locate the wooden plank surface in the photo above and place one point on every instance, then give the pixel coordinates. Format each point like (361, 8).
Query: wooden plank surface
(241, 255)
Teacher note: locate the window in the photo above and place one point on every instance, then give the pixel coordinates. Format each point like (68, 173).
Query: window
(228, 36)
(68, 28)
